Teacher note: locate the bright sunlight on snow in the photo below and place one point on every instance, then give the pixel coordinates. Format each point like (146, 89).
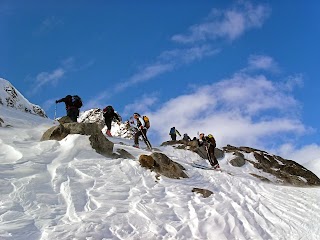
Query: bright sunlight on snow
(65, 190)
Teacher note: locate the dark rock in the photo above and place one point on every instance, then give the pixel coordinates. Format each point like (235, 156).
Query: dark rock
(65, 119)
(97, 140)
(124, 154)
(205, 193)
(237, 161)
(172, 142)
(218, 153)
(264, 179)
(146, 161)
(163, 165)
(55, 133)
(238, 154)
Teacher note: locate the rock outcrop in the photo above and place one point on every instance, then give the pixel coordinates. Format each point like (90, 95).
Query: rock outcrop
(192, 146)
(162, 165)
(204, 192)
(97, 140)
(286, 171)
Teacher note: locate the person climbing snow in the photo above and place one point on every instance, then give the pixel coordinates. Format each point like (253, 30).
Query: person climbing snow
(211, 145)
(141, 127)
(186, 137)
(173, 133)
(206, 146)
(73, 104)
(109, 114)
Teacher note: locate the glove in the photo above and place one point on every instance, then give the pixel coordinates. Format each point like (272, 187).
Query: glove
(57, 101)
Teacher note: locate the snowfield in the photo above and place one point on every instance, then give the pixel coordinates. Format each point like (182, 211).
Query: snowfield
(65, 190)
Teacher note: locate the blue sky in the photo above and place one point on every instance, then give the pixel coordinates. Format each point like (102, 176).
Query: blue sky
(245, 71)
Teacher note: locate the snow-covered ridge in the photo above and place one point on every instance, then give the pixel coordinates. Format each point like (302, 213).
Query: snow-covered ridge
(65, 190)
(11, 97)
(96, 115)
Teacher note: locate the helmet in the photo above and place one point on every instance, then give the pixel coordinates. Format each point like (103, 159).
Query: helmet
(210, 136)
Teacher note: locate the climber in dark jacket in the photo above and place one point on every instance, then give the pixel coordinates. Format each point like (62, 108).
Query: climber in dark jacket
(206, 146)
(173, 133)
(211, 145)
(72, 111)
(186, 137)
(109, 114)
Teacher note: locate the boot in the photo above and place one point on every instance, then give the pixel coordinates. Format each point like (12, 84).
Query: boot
(217, 166)
(108, 133)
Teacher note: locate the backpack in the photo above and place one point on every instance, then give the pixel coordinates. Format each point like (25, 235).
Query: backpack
(76, 101)
(108, 110)
(172, 131)
(146, 121)
(211, 140)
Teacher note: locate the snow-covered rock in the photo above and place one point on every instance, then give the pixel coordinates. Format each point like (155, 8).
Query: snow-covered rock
(11, 97)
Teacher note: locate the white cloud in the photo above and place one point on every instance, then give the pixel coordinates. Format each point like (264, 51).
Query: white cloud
(141, 105)
(254, 94)
(262, 62)
(293, 81)
(301, 155)
(228, 24)
(246, 110)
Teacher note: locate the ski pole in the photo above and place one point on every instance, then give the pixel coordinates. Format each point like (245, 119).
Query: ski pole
(55, 112)
(145, 139)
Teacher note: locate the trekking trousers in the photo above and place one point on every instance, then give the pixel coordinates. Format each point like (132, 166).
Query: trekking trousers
(138, 134)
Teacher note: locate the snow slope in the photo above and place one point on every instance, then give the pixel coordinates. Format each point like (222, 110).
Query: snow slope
(11, 97)
(65, 190)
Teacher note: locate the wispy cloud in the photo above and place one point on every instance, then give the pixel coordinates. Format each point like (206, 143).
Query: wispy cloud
(227, 24)
(98, 101)
(262, 62)
(49, 77)
(141, 105)
(166, 62)
(53, 77)
(49, 24)
(145, 74)
(293, 81)
(180, 57)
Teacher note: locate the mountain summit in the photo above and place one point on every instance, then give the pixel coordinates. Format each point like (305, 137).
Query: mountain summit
(11, 97)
